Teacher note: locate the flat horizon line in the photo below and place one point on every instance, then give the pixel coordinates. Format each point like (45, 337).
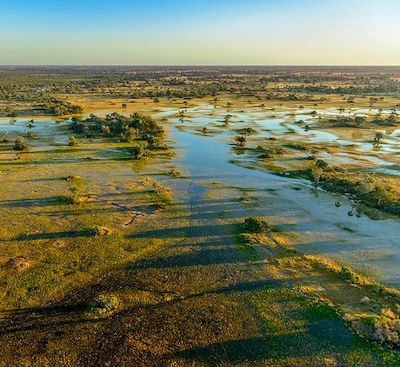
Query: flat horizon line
(198, 65)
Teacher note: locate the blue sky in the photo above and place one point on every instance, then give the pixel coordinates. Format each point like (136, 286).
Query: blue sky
(258, 32)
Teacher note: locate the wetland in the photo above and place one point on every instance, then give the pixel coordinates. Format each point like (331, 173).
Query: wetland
(199, 216)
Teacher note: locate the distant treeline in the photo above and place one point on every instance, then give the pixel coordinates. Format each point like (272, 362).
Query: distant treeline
(388, 88)
(37, 84)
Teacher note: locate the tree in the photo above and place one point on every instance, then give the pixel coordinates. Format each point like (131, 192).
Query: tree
(227, 118)
(378, 137)
(241, 140)
(72, 142)
(124, 105)
(20, 144)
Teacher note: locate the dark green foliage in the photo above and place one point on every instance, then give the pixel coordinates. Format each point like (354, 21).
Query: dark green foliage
(138, 151)
(378, 137)
(256, 225)
(247, 131)
(240, 140)
(20, 144)
(63, 108)
(117, 126)
(272, 152)
(99, 231)
(348, 275)
(321, 164)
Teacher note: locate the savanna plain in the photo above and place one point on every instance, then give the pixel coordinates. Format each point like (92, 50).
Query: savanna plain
(199, 216)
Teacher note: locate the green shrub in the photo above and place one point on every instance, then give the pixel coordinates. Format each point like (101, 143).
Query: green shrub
(349, 275)
(99, 231)
(72, 142)
(240, 140)
(247, 131)
(103, 306)
(20, 144)
(321, 164)
(256, 225)
(76, 186)
(138, 151)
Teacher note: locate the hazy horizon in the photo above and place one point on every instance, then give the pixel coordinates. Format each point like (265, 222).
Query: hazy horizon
(208, 65)
(200, 33)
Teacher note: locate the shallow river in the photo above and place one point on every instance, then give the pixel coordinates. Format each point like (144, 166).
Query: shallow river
(369, 245)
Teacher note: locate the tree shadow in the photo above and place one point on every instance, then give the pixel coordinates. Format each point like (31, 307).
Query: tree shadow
(52, 235)
(27, 203)
(188, 231)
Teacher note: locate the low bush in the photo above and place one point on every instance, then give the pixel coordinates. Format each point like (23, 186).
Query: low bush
(20, 144)
(256, 225)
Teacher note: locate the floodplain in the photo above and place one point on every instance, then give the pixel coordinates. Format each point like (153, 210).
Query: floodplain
(199, 217)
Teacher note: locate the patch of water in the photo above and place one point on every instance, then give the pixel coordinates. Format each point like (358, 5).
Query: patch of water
(327, 230)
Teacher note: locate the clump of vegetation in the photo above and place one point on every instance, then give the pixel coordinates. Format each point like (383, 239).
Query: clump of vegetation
(63, 108)
(378, 193)
(20, 144)
(247, 131)
(72, 141)
(320, 163)
(244, 198)
(103, 306)
(118, 126)
(240, 140)
(139, 151)
(383, 328)
(297, 146)
(174, 173)
(271, 152)
(72, 178)
(76, 188)
(256, 225)
(359, 121)
(349, 275)
(321, 307)
(227, 118)
(163, 195)
(378, 137)
(99, 231)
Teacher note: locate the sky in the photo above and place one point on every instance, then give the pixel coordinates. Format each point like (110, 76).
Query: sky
(200, 32)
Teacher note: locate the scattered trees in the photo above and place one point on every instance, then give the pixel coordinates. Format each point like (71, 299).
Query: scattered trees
(117, 126)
